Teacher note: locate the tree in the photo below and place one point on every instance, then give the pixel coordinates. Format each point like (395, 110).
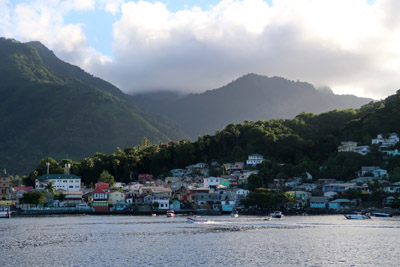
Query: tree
(60, 196)
(50, 187)
(155, 205)
(35, 198)
(352, 193)
(145, 142)
(106, 177)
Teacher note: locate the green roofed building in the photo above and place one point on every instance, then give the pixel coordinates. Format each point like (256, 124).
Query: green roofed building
(66, 182)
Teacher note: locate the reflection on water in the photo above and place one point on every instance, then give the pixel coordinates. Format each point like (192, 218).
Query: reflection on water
(161, 241)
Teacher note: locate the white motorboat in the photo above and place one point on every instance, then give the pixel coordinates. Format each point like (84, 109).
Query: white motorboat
(276, 214)
(170, 213)
(357, 217)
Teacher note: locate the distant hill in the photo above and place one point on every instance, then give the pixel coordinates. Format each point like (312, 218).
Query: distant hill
(52, 108)
(249, 98)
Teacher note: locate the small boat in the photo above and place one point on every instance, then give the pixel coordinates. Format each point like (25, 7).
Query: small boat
(267, 219)
(380, 214)
(5, 212)
(357, 217)
(276, 214)
(154, 214)
(196, 220)
(234, 214)
(170, 213)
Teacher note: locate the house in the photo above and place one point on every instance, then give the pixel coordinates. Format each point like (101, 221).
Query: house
(240, 193)
(254, 159)
(386, 142)
(367, 170)
(307, 187)
(391, 153)
(325, 181)
(134, 189)
(66, 182)
(237, 166)
(100, 200)
(362, 150)
(145, 177)
(163, 204)
(393, 188)
(213, 181)
(101, 185)
(318, 202)
(347, 146)
(340, 204)
(338, 187)
(177, 172)
(302, 198)
(330, 194)
(115, 196)
(379, 173)
(157, 191)
(71, 196)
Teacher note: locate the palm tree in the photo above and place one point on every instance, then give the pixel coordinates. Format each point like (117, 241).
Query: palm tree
(50, 187)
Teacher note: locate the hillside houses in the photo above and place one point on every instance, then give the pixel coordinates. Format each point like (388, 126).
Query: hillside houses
(382, 142)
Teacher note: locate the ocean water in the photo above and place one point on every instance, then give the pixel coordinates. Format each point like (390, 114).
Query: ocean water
(223, 241)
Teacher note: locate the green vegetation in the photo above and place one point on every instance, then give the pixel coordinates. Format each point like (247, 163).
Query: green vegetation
(51, 108)
(35, 198)
(307, 143)
(268, 199)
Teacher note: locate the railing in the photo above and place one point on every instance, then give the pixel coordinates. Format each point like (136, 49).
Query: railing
(58, 209)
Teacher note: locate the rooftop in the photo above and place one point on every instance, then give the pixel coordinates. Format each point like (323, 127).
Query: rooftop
(58, 176)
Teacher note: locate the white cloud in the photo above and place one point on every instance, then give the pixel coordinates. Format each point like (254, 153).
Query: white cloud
(43, 20)
(112, 6)
(80, 5)
(349, 45)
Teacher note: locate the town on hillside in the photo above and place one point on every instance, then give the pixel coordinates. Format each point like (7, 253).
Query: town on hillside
(193, 189)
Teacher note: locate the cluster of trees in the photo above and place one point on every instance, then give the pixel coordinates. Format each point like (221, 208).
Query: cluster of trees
(268, 199)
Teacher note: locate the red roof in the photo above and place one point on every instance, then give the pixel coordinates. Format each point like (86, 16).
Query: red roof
(98, 190)
(25, 188)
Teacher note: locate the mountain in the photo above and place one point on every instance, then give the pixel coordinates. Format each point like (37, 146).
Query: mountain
(249, 98)
(51, 108)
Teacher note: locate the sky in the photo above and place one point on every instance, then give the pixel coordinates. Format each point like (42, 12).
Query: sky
(351, 46)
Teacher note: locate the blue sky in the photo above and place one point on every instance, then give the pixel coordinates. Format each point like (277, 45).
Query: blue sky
(350, 46)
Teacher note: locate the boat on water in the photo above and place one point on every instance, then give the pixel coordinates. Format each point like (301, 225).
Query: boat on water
(5, 212)
(381, 214)
(170, 213)
(234, 214)
(357, 216)
(276, 215)
(196, 219)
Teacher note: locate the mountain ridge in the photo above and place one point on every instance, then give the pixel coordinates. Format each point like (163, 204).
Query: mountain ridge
(66, 112)
(251, 97)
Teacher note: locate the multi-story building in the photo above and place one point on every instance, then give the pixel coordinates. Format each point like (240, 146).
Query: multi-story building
(66, 182)
(254, 159)
(4, 187)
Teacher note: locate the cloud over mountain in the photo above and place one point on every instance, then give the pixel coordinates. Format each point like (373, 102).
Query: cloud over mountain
(352, 46)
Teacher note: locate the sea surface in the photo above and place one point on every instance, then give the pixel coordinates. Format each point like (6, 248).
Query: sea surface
(223, 241)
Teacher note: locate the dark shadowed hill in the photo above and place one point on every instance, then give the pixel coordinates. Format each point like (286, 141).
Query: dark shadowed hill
(249, 98)
(51, 108)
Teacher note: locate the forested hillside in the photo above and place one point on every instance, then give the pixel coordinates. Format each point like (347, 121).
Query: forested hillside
(51, 108)
(291, 147)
